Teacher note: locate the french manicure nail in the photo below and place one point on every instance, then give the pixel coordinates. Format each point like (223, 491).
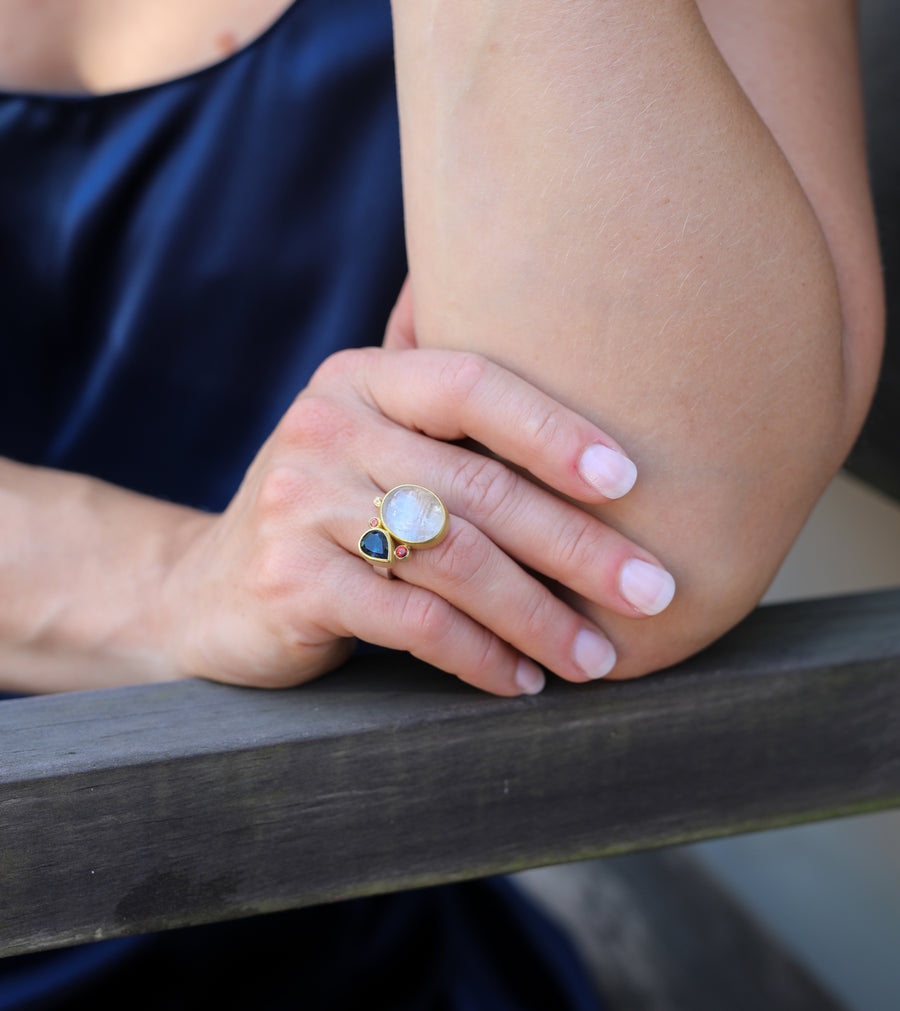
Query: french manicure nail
(529, 677)
(647, 587)
(593, 653)
(608, 471)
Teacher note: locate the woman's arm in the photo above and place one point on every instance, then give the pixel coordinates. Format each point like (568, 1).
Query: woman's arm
(82, 563)
(102, 586)
(593, 201)
(798, 64)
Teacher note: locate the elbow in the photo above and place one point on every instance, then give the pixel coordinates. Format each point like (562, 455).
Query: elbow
(722, 508)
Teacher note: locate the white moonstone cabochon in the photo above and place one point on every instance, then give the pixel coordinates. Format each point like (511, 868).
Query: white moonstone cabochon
(412, 514)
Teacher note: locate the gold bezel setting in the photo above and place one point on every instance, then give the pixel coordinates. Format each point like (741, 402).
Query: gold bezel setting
(382, 545)
(403, 537)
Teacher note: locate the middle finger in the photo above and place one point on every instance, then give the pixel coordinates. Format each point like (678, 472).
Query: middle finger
(538, 529)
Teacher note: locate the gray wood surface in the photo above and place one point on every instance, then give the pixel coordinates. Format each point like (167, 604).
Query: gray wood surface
(136, 809)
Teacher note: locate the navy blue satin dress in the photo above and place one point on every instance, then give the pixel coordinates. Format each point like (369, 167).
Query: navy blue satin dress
(175, 261)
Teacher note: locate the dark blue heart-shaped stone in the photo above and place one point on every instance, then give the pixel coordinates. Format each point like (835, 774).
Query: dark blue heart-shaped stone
(374, 544)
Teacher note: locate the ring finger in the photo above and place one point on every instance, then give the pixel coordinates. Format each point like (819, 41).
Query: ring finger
(475, 576)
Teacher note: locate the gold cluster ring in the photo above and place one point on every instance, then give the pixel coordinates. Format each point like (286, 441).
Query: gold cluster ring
(409, 516)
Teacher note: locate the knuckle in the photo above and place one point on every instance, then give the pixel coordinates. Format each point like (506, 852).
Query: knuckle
(575, 547)
(542, 425)
(460, 373)
(492, 656)
(427, 616)
(274, 573)
(342, 366)
(315, 422)
(280, 490)
(536, 615)
(464, 551)
(486, 486)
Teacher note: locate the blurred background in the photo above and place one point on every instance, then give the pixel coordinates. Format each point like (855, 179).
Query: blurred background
(830, 892)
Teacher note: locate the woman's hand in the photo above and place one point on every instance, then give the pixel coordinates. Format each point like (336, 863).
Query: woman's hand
(273, 591)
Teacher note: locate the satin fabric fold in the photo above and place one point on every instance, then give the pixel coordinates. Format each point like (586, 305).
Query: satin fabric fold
(175, 261)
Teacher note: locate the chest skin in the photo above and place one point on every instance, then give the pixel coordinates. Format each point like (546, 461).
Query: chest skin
(103, 46)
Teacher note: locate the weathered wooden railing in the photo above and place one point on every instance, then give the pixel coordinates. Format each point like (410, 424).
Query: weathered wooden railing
(144, 808)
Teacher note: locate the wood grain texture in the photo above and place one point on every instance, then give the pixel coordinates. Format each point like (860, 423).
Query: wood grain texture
(137, 809)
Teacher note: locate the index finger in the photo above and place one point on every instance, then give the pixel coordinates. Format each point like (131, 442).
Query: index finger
(451, 395)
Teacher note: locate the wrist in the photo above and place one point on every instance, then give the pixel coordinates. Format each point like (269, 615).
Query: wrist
(83, 565)
(171, 625)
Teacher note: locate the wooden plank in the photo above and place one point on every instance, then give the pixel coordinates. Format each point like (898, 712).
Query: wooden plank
(142, 808)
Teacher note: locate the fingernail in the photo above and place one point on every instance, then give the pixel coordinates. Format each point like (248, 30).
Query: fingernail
(529, 677)
(647, 587)
(593, 653)
(608, 471)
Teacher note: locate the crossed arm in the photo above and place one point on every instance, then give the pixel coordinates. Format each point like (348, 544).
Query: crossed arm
(659, 214)
(677, 246)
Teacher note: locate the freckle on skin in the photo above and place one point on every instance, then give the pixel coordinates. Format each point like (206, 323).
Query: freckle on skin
(226, 43)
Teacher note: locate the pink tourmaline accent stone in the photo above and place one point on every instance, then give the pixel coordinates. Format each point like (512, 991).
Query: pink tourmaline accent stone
(373, 522)
(401, 551)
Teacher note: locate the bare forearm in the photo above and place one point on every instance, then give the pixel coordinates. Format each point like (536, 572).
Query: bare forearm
(82, 565)
(593, 201)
